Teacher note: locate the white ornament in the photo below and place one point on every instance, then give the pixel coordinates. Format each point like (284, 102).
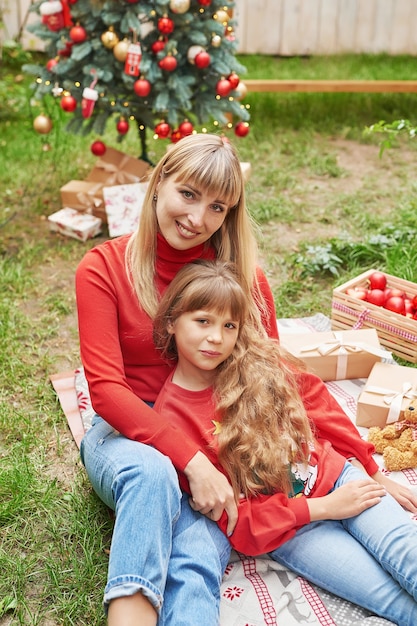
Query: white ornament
(193, 51)
(179, 6)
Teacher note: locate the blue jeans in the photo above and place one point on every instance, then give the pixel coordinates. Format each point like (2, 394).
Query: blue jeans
(370, 559)
(160, 546)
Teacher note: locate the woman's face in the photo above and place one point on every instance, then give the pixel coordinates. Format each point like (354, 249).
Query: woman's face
(187, 216)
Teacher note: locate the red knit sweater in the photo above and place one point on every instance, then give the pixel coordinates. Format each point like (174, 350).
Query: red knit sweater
(267, 521)
(122, 366)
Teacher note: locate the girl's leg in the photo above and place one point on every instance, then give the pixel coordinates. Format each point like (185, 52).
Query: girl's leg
(200, 553)
(326, 554)
(141, 485)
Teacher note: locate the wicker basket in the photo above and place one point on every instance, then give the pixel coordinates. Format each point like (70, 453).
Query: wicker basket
(396, 332)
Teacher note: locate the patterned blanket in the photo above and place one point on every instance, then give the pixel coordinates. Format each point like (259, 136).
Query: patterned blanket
(258, 591)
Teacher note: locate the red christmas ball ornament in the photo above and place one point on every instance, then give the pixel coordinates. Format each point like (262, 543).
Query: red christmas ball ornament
(176, 135)
(204, 3)
(122, 126)
(132, 1)
(202, 60)
(165, 25)
(186, 128)
(142, 87)
(66, 50)
(162, 130)
(233, 79)
(51, 64)
(68, 103)
(241, 129)
(223, 87)
(168, 63)
(98, 148)
(158, 46)
(78, 34)
(72, 1)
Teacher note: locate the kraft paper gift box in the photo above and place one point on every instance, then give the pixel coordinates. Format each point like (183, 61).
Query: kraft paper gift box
(386, 395)
(117, 168)
(85, 196)
(337, 355)
(123, 204)
(72, 223)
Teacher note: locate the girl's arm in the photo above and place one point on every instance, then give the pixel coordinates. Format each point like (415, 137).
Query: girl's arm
(331, 422)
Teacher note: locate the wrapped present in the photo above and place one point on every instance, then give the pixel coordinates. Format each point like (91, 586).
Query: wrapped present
(118, 168)
(123, 204)
(337, 355)
(386, 394)
(84, 196)
(72, 223)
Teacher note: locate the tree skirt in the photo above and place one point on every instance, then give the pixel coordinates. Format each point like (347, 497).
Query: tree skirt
(258, 591)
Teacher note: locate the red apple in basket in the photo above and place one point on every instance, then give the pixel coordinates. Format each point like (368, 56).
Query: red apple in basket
(393, 292)
(377, 280)
(409, 307)
(357, 292)
(376, 296)
(395, 304)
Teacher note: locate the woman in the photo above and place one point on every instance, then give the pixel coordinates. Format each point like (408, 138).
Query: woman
(164, 551)
(309, 491)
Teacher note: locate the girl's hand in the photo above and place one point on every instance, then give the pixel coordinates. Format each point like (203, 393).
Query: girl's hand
(211, 491)
(346, 501)
(402, 494)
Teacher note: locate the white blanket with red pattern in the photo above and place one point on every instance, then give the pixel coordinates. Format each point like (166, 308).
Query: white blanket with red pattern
(258, 591)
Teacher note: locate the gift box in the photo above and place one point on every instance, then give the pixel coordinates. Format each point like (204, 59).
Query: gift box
(396, 332)
(246, 170)
(113, 168)
(84, 196)
(72, 223)
(386, 394)
(123, 205)
(118, 168)
(337, 355)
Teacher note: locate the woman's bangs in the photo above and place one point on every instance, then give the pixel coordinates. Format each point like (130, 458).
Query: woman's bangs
(216, 176)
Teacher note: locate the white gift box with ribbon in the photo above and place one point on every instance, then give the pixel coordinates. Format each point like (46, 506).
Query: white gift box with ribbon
(387, 393)
(337, 355)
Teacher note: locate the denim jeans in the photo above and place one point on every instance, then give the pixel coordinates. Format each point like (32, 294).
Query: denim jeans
(160, 546)
(369, 559)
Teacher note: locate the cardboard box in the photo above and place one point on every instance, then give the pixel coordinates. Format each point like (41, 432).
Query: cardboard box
(72, 223)
(84, 196)
(337, 355)
(123, 205)
(386, 395)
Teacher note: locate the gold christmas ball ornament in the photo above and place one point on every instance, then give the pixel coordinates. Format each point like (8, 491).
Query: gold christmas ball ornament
(179, 6)
(120, 50)
(192, 53)
(221, 16)
(109, 39)
(216, 41)
(42, 124)
(242, 90)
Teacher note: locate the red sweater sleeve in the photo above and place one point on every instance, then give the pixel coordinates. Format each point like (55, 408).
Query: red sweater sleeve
(331, 422)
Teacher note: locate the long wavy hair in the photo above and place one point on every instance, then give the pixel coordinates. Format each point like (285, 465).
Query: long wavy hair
(209, 163)
(264, 423)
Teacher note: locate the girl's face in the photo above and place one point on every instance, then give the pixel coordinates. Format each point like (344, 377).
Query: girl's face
(187, 216)
(204, 339)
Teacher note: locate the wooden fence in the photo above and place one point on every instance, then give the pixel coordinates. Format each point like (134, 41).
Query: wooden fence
(296, 27)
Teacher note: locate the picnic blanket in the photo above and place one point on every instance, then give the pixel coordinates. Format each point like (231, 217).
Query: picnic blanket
(259, 591)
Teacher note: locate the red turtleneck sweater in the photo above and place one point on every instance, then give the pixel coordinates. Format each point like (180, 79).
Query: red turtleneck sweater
(121, 364)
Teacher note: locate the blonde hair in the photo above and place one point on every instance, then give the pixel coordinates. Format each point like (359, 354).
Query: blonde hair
(264, 423)
(210, 163)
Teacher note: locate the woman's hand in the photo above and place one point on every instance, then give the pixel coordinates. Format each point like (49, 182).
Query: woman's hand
(211, 491)
(402, 494)
(346, 501)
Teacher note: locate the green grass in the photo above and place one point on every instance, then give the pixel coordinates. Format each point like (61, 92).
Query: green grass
(54, 533)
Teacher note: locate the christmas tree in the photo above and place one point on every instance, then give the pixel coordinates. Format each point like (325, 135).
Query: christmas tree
(162, 65)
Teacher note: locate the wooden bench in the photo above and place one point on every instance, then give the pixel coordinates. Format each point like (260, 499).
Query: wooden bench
(334, 86)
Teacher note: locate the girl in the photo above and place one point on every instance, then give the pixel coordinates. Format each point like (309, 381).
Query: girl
(164, 556)
(309, 492)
